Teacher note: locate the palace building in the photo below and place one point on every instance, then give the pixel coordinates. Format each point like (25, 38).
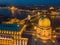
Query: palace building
(10, 34)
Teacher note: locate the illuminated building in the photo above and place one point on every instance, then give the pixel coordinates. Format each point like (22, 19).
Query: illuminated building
(10, 34)
(44, 30)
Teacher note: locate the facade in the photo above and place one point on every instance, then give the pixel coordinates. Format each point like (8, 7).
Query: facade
(10, 34)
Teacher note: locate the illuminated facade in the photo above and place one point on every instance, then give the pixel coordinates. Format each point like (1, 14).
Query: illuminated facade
(44, 30)
(10, 34)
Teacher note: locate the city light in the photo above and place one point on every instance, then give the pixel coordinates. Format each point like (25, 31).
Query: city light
(52, 8)
(41, 30)
(13, 9)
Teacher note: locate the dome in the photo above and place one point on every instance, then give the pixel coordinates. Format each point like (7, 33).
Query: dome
(44, 22)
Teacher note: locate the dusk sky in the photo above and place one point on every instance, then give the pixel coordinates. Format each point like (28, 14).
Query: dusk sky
(30, 2)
